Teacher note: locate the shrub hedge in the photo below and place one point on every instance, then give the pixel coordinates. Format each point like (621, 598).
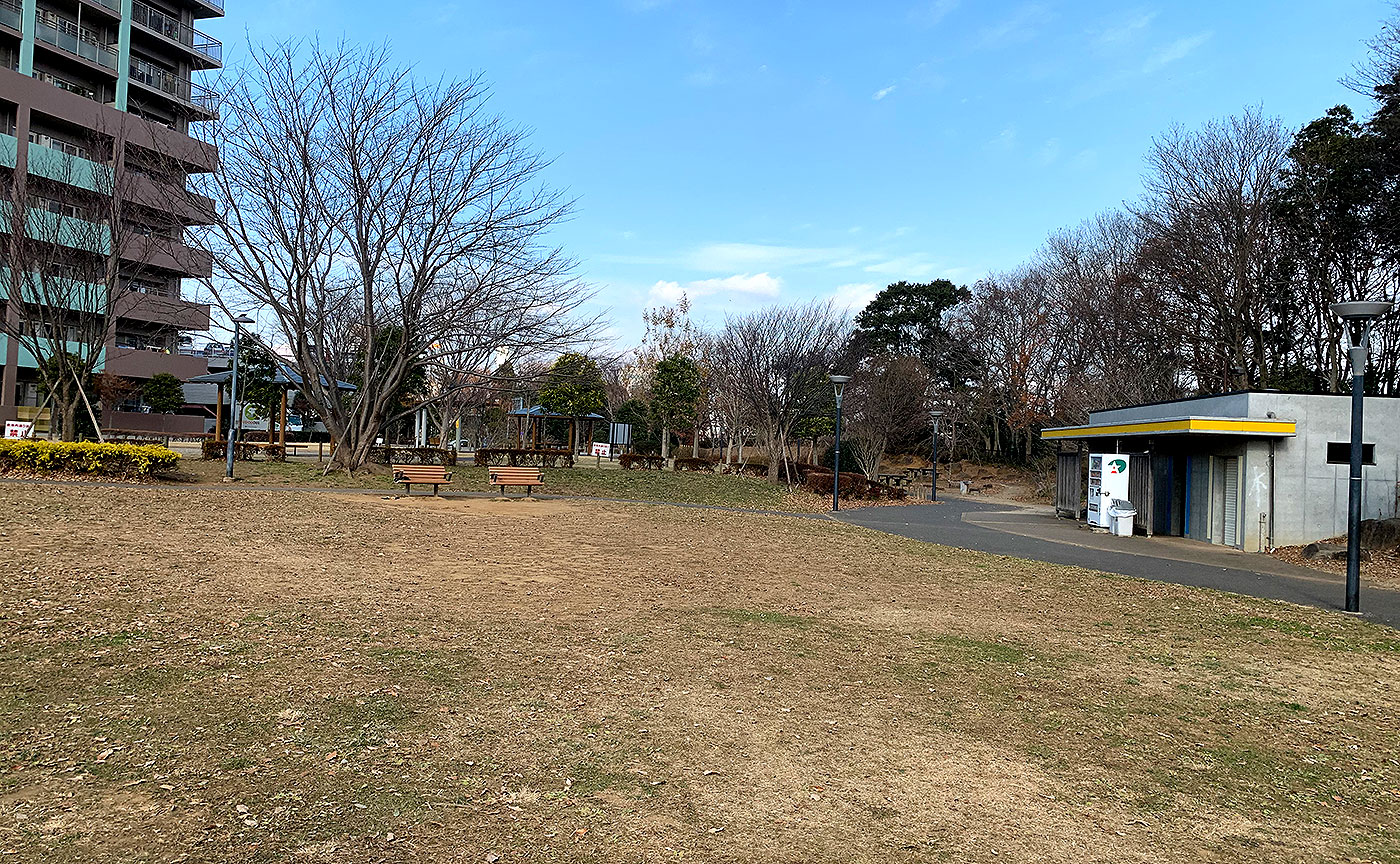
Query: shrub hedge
(515, 458)
(104, 460)
(688, 464)
(244, 451)
(413, 456)
(853, 486)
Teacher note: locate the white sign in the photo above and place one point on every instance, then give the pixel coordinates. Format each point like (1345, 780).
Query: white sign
(601, 449)
(17, 428)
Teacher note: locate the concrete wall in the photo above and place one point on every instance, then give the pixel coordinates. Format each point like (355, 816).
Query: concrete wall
(1311, 496)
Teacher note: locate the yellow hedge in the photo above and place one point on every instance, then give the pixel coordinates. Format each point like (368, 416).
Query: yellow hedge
(106, 460)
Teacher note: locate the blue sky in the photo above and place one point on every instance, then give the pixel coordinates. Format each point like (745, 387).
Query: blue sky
(751, 152)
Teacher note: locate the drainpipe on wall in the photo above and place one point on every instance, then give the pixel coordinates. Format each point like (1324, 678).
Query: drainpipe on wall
(1272, 495)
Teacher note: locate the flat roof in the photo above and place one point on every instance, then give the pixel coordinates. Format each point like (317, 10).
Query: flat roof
(1185, 425)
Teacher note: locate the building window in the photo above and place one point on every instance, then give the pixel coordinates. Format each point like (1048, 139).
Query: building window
(1339, 453)
(58, 144)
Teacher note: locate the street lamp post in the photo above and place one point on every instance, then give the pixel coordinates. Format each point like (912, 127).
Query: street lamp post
(1358, 317)
(839, 382)
(233, 397)
(933, 490)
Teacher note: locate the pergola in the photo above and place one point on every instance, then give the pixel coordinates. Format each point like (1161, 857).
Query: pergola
(285, 379)
(528, 424)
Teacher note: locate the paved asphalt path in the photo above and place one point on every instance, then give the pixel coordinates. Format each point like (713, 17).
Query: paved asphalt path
(944, 523)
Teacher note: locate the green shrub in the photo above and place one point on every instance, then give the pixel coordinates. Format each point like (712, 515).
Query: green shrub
(103, 460)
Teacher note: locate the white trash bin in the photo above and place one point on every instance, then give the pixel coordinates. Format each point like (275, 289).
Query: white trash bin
(1122, 513)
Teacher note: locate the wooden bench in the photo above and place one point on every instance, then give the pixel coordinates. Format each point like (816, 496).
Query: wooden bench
(423, 475)
(527, 477)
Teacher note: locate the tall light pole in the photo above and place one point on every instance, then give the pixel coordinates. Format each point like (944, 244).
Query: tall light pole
(839, 382)
(1358, 317)
(933, 490)
(233, 397)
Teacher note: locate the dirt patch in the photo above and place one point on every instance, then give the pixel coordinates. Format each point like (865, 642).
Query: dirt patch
(264, 676)
(1382, 567)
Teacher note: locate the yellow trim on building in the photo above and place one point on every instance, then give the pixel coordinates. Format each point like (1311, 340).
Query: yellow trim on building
(1178, 426)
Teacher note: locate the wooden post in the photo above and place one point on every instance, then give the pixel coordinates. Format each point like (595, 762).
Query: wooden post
(282, 421)
(219, 415)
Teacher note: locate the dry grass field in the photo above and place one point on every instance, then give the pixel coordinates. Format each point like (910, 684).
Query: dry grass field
(249, 676)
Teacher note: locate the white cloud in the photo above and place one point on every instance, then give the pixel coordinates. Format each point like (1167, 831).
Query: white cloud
(931, 14)
(751, 284)
(916, 266)
(1126, 29)
(748, 257)
(1049, 152)
(702, 78)
(884, 91)
(1175, 51)
(855, 296)
(1022, 26)
(1005, 140)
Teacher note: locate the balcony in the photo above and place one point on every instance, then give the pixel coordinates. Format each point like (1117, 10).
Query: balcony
(12, 15)
(169, 254)
(145, 362)
(209, 8)
(154, 309)
(208, 51)
(191, 95)
(114, 6)
(9, 147)
(103, 55)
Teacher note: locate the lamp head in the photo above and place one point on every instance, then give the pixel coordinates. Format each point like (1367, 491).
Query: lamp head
(1361, 310)
(243, 319)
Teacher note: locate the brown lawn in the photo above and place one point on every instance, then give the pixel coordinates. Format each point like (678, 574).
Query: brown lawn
(220, 675)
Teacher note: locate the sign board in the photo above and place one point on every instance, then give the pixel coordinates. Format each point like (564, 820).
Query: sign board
(620, 434)
(17, 428)
(601, 449)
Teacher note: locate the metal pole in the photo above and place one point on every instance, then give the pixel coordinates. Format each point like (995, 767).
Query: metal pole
(233, 407)
(836, 474)
(933, 491)
(1358, 406)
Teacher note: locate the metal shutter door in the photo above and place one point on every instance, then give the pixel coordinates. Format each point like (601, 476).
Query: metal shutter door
(1232, 501)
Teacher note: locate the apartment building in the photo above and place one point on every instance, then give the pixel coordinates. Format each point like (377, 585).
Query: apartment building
(85, 86)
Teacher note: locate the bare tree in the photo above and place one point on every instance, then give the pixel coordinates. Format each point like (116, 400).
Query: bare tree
(377, 217)
(1214, 243)
(889, 400)
(774, 364)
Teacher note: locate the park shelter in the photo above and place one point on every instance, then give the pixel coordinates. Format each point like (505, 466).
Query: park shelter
(527, 425)
(285, 379)
(1252, 470)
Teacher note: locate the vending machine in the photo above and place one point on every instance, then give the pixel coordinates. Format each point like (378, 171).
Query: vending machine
(1108, 479)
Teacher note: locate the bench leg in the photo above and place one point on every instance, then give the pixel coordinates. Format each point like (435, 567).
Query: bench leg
(435, 492)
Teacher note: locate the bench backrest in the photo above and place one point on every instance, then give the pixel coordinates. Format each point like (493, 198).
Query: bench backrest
(421, 473)
(516, 476)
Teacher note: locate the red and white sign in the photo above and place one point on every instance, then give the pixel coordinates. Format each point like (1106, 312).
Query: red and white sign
(17, 428)
(601, 449)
